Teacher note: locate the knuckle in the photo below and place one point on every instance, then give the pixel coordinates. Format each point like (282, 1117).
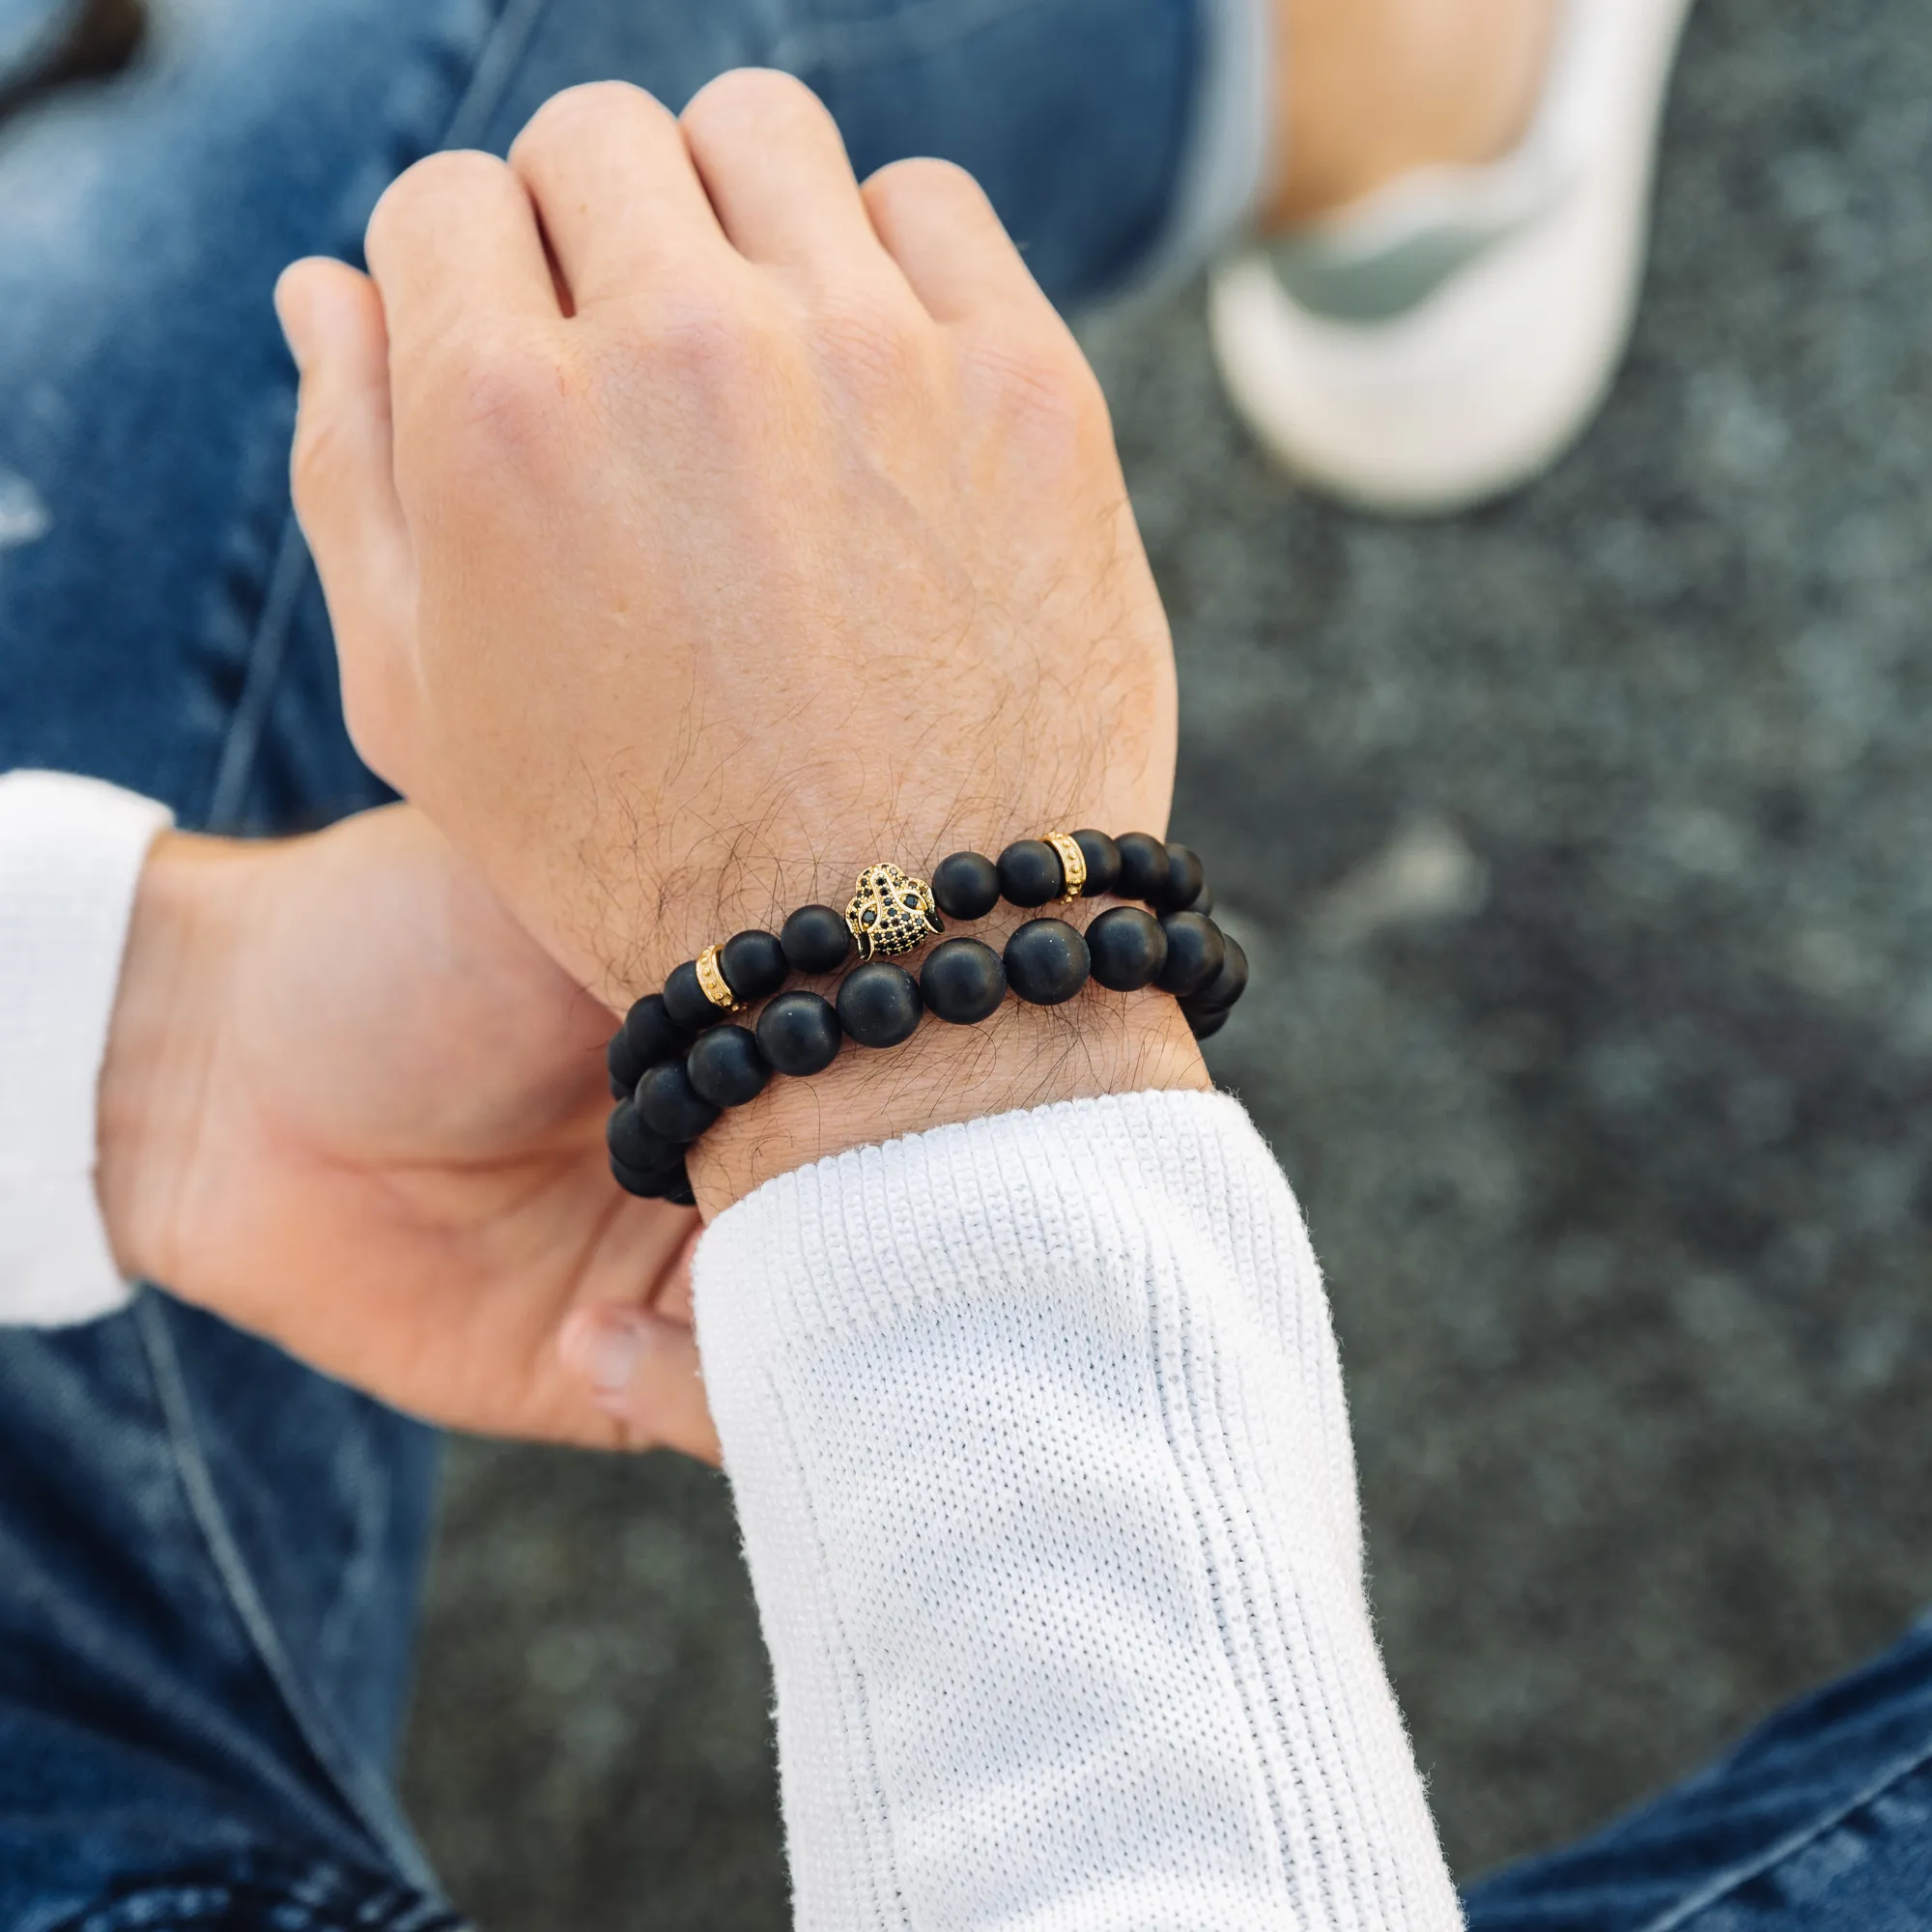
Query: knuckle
(496, 382)
(924, 183)
(315, 461)
(1039, 387)
(431, 184)
(705, 339)
(585, 112)
(753, 101)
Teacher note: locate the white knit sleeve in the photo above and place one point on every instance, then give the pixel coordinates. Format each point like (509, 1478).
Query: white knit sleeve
(1037, 1436)
(70, 857)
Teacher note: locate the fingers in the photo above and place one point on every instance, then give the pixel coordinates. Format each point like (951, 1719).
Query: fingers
(455, 238)
(616, 190)
(936, 223)
(342, 469)
(643, 1371)
(772, 161)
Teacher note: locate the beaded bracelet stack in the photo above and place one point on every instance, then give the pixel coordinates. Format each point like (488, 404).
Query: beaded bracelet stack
(675, 1064)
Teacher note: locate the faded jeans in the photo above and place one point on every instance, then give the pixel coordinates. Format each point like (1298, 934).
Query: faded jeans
(209, 1558)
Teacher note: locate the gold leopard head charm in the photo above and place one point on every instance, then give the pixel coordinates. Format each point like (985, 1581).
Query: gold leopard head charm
(891, 912)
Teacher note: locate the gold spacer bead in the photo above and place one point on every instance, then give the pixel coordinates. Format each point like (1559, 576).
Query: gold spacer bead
(1072, 862)
(711, 977)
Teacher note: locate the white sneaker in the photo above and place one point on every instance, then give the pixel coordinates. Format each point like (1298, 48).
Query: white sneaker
(1449, 337)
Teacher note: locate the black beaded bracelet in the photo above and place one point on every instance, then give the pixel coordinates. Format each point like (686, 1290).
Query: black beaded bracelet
(675, 1065)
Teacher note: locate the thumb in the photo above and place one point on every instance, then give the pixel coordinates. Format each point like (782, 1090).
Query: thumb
(644, 1373)
(343, 477)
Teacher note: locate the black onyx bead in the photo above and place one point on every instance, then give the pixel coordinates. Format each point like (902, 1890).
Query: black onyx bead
(1103, 863)
(626, 1069)
(966, 886)
(1220, 993)
(1204, 1026)
(1047, 962)
(963, 982)
(753, 964)
(1195, 952)
(687, 1003)
(878, 1003)
(1128, 949)
(726, 1067)
(815, 939)
(1186, 880)
(683, 1196)
(799, 1034)
(634, 1146)
(651, 1031)
(672, 1107)
(670, 1183)
(1143, 868)
(1030, 872)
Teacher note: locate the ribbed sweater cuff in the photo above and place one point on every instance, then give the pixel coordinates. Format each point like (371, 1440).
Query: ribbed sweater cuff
(1036, 1430)
(70, 857)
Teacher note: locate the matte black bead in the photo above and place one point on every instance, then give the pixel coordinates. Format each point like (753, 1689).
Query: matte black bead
(652, 1032)
(671, 1183)
(726, 1067)
(625, 1069)
(816, 939)
(1204, 1026)
(1030, 872)
(966, 885)
(1143, 868)
(1103, 863)
(682, 1197)
(1220, 993)
(799, 1034)
(634, 1146)
(1186, 880)
(753, 964)
(635, 1181)
(1205, 904)
(1128, 949)
(1047, 962)
(879, 1003)
(672, 1107)
(963, 983)
(687, 1003)
(1195, 952)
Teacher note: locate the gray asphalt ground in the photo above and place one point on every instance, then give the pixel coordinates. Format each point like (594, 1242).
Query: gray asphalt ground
(1584, 851)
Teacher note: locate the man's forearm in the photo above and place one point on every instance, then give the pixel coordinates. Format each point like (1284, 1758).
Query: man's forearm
(175, 984)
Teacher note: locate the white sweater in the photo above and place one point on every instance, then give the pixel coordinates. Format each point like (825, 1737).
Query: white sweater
(1037, 1432)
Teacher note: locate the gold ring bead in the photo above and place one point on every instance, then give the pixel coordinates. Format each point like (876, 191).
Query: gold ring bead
(1072, 863)
(711, 978)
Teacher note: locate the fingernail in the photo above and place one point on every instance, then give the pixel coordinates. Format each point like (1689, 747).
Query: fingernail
(605, 1347)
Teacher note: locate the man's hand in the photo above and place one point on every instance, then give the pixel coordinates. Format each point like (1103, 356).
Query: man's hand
(699, 528)
(350, 1104)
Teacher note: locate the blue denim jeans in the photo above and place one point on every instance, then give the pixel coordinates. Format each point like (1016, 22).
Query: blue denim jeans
(209, 1557)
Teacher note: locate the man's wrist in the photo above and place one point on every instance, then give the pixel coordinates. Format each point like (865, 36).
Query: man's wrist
(160, 1044)
(1023, 1056)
